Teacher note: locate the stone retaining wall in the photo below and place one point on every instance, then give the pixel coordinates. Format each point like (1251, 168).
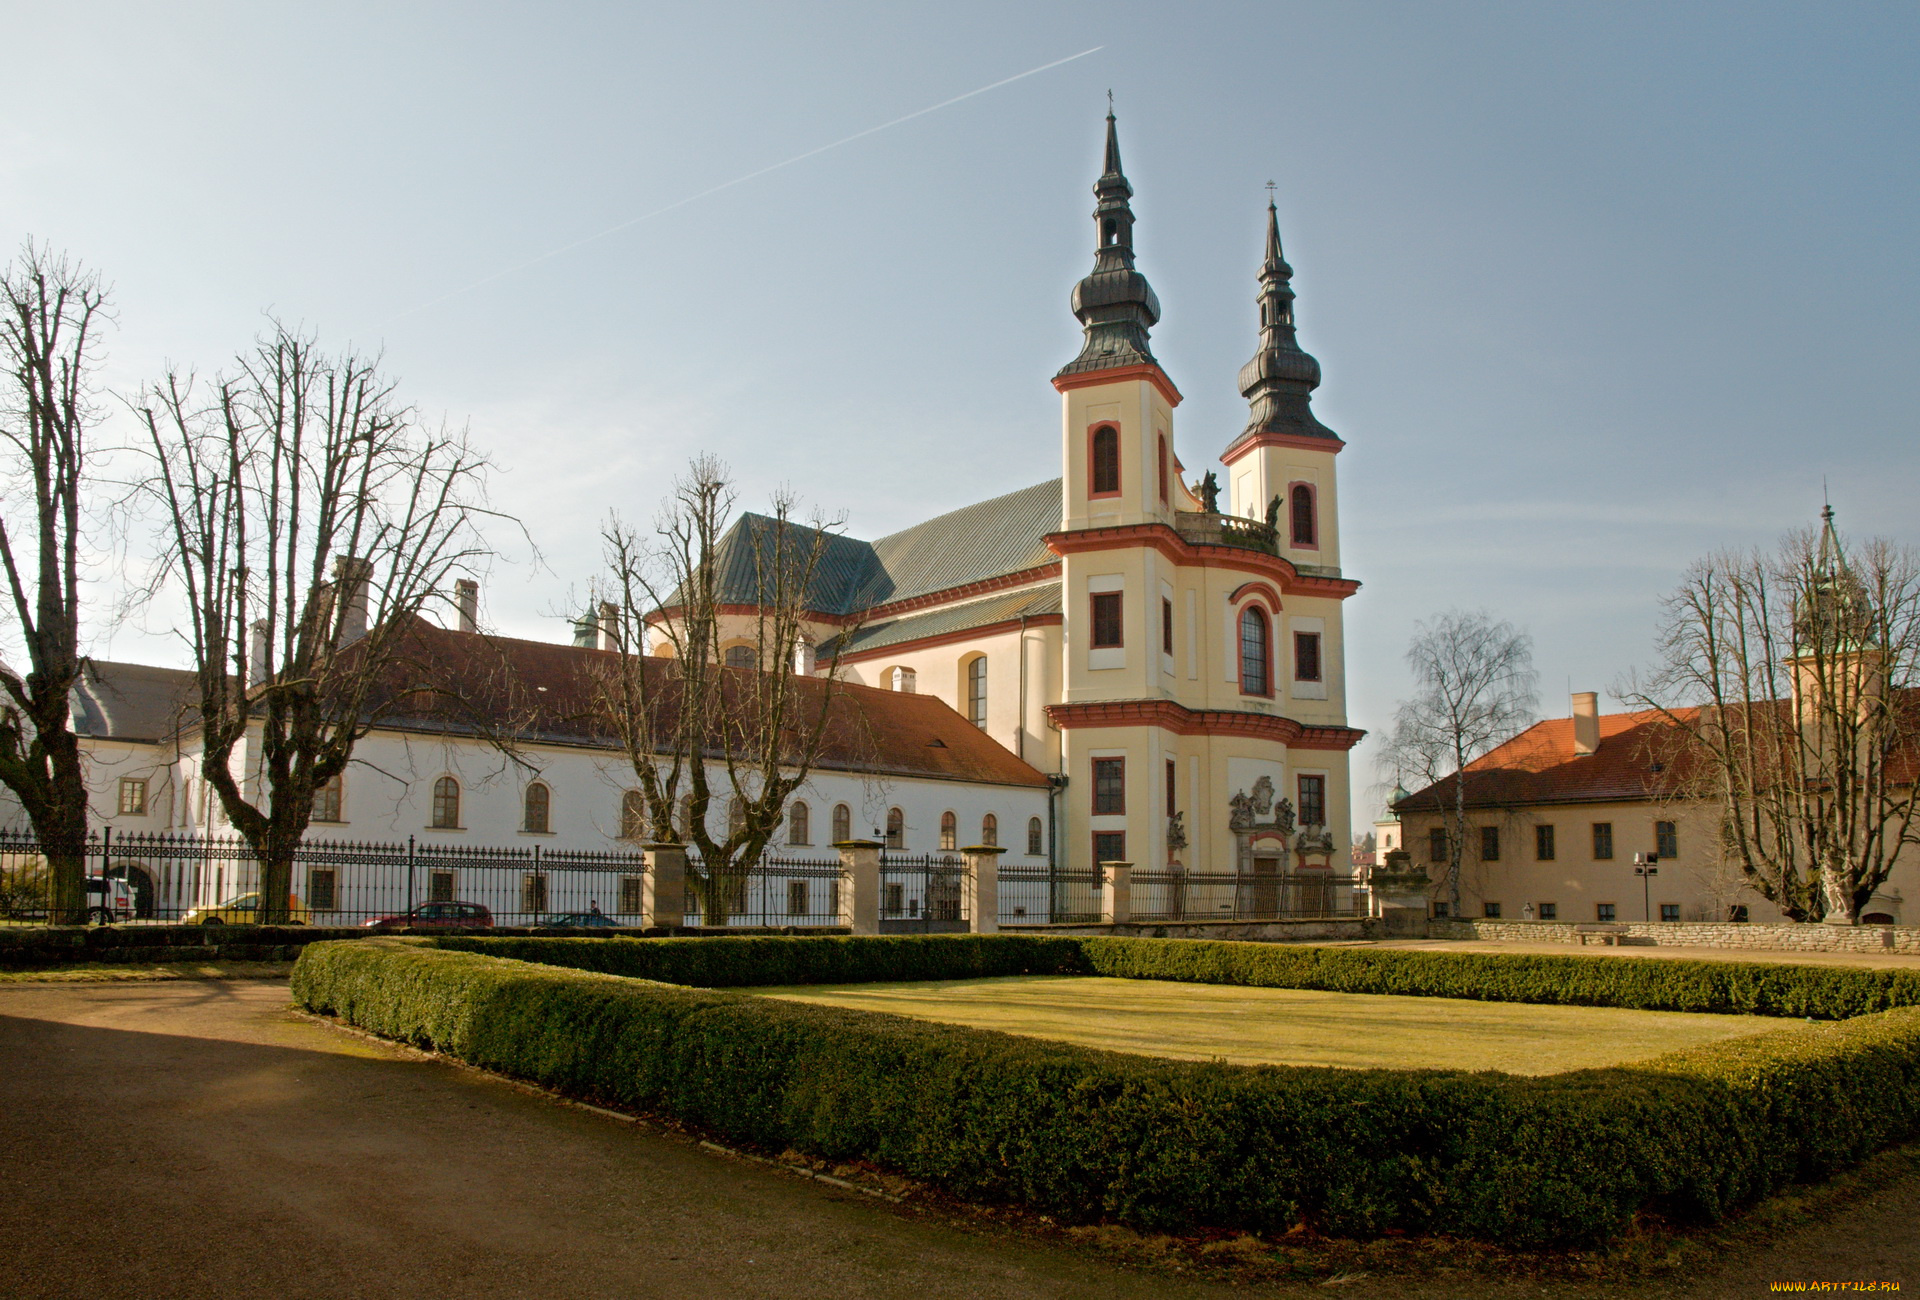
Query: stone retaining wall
(1774, 936)
(1332, 928)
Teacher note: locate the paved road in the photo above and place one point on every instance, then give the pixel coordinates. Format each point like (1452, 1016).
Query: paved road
(196, 1140)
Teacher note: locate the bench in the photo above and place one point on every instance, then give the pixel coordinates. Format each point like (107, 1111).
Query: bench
(1611, 935)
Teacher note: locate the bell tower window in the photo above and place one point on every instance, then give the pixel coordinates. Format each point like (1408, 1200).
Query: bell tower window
(1109, 233)
(1303, 532)
(1105, 467)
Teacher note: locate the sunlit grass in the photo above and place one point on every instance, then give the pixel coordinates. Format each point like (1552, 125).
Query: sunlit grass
(1256, 1026)
(103, 973)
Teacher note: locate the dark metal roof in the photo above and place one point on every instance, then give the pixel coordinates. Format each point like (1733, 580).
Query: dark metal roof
(134, 702)
(1281, 377)
(1114, 303)
(1027, 602)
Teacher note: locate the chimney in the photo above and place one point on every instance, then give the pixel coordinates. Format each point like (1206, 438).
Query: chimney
(352, 575)
(803, 657)
(466, 594)
(1586, 722)
(257, 654)
(609, 630)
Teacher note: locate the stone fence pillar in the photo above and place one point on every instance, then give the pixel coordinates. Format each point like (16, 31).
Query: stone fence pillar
(983, 888)
(1116, 898)
(1399, 893)
(663, 886)
(860, 884)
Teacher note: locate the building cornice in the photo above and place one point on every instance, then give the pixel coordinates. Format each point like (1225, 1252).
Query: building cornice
(893, 648)
(1246, 445)
(893, 608)
(1153, 374)
(1200, 555)
(1170, 715)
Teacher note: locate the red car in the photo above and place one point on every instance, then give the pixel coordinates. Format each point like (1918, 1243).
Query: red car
(436, 916)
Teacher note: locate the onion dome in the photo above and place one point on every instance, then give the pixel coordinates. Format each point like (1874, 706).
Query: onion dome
(1280, 379)
(1115, 303)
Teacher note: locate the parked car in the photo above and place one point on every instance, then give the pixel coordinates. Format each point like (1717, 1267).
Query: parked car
(243, 909)
(109, 900)
(436, 916)
(577, 921)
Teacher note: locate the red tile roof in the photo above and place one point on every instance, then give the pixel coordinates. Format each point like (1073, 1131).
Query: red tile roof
(1632, 762)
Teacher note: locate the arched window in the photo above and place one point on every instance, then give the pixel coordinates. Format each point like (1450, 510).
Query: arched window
(741, 656)
(1036, 838)
(1109, 232)
(798, 832)
(537, 809)
(1304, 533)
(1106, 461)
(989, 830)
(633, 815)
(446, 804)
(1163, 469)
(896, 829)
(977, 691)
(949, 831)
(842, 823)
(1255, 674)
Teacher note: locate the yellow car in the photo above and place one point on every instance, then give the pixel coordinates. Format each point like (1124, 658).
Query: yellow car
(242, 909)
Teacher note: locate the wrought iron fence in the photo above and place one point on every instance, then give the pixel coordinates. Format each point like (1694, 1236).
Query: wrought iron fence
(923, 895)
(1042, 895)
(776, 891)
(1252, 896)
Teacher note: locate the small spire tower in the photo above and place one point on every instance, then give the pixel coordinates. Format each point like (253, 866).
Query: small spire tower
(1114, 303)
(1279, 381)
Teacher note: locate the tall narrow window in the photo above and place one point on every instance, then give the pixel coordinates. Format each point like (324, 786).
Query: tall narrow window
(977, 691)
(1109, 786)
(1306, 656)
(1666, 839)
(1106, 620)
(896, 829)
(1602, 841)
(1254, 675)
(446, 804)
(949, 831)
(1173, 787)
(842, 823)
(1163, 469)
(1166, 626)
(798, 830)
(1313, 801)
(1543, 843)
(538, 808)
(326, 800)
(1304, 533)
(633, 816)
(989, 830)
(1105, 470)
(1036, 837)
(1489, 843)
(1437, 845)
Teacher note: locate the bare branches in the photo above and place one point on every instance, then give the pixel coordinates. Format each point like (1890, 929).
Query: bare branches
(52, 312)
(1476, 688)
(309, 518)
(1788, 679)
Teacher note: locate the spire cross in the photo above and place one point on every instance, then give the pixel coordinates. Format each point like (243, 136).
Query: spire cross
(1269, 193)
(1109, 103)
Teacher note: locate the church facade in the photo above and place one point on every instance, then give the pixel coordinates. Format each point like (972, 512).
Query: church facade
(1172, 654)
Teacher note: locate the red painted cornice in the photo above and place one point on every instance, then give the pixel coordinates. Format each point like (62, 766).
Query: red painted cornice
(947, 595)
(1259, 440)
(1182, 721)
(893, 648)
(1152, 374)
(1199, 555)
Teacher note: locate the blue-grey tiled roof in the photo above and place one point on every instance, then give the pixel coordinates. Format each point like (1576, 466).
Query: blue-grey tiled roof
(999, 608)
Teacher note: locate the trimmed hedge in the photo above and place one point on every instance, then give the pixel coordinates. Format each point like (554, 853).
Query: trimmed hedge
(1159, 1144)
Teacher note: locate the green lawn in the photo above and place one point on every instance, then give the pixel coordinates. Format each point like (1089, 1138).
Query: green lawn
(101, 973)
(1254, 1026)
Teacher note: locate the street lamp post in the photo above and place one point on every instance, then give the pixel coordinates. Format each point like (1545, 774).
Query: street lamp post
(1643, 867)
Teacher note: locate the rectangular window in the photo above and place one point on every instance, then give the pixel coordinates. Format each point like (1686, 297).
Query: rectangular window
(1437, 845)
(1109, 846)
(1173, 787)
(1549, 911)
(796, 898)
(1109, 786)
(326, 800)
(320, 889)
(1602, 841)
(1603, 911)
(133, 796)
(1106, 620)
(1313, 801)
(896, 900)
(1166, 626)
(1543, 843)
(1439, 909)
(1669, 911)
(1306, 656)
(439, 886)
(630, 896)
(1492, 911)
(1666, 840)
(1489, 843)
(533, 893)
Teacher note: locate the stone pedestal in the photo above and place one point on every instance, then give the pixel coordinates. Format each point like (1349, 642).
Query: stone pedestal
(983, 888)
(663, 886)
(860, 884)
(1399, 891)
(1116, 893)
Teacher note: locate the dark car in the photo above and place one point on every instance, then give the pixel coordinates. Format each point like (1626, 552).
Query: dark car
(436, 916)
(576, 921)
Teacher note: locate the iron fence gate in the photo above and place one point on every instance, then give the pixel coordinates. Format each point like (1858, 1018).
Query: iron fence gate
(927, 894)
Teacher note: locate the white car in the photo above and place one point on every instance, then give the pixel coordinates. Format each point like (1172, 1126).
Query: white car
(109, 900)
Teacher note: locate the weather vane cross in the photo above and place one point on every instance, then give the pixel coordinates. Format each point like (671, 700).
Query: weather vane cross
(1109, 103)
(1269, 192)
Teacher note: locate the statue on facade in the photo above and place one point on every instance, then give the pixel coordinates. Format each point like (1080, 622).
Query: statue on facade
(1273, 517)
(1260, 811)
(1177, 831)
(1210, 494)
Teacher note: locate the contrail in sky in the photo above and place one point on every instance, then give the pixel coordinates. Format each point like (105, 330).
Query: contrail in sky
(727, 185)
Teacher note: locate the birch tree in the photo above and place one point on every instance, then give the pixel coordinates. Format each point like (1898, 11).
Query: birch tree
(1475, 688)
(49, 342)
(308, 520)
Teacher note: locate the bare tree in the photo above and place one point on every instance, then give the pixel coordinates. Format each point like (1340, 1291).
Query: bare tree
(694, 728)
(48, 340)
(308, 520)
(1475, 688)
(1788, 678)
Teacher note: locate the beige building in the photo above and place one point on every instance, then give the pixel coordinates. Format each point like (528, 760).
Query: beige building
(1174, 661)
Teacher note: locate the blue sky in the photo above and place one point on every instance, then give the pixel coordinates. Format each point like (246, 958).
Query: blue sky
(1595, 288)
